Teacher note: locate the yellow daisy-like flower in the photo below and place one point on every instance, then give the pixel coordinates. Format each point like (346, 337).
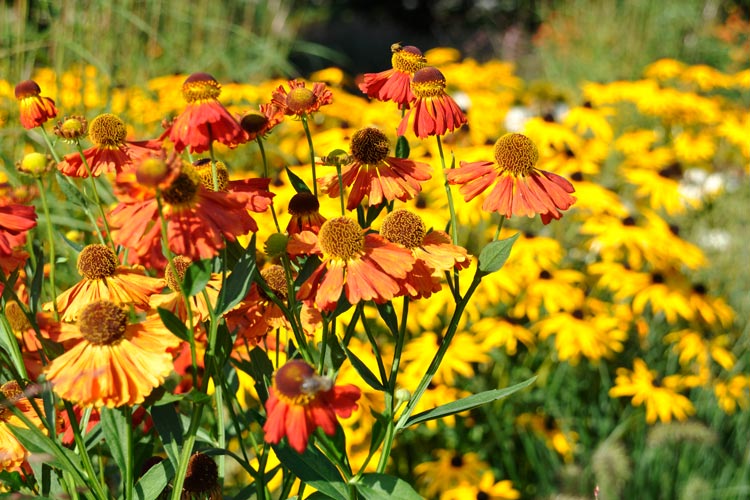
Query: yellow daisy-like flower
(665, 293)
(662, 399)
(466, 350)
(733, 394)
(486, 489)
(664, 69)
(116, 362)
(451, 469)
(661, 188)
(496, 332)
(695, 148)
(691, 345)
(589, 120)
(12, 452)
(557, 290)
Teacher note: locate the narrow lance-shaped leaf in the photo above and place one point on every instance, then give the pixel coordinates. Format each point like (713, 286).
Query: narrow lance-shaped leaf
(493, 255)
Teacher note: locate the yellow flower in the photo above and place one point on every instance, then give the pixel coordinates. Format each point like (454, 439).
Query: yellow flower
(487, 489)
(695, 148)
(690, 345)
(664, 69)
(465, 351)
(662, 399)
(499, 333)
(733, 394)
(449, 470)
(589, 120)
(557, 290)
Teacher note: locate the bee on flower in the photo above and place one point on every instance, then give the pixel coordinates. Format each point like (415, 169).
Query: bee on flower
(395, 84)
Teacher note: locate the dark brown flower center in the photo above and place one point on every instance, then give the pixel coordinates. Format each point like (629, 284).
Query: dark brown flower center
(202, 475)
(516, 154)
(341, 238)
(408, 59)
(404, 227)
(184, 188)
(370, 146)
(181, 263)
(27, 88)
(428, 82)
(97, 261)
(107, 130)
(103, 323)
(303, 204)
(200, 87)
(254, 121)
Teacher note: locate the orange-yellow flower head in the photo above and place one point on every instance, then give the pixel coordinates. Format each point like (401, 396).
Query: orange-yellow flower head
(115, 362)
(395, 84)
(300, 100)
(175, 275)
(204, 119)
(341, 238)
(257, 123)
(371, 172)
(108, 131)
(13, 455)
(305, 211)
(35, 109)
(434, 112)
(300, 400)
(404, 227)
(97, 262)
(521, 188)
(72, 128)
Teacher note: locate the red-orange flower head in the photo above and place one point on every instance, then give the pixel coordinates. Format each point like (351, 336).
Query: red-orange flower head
(35, 109)
(257, 124)
(372, 173)
(305, 211)
(434, 112)
(395, 84)
(300, 401)
(15, 221)
(205, 119)
(300, 100)
(521, 188)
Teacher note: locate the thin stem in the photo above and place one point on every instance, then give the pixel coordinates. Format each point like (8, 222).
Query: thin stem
(47, 141)
(499, 227)
(51, 242)
(262, 148)
(451, 207)
(87, 465)
(96, 198)
(341, 188)
(312, 153)
(187, 452)
(214, 170)
(129, 456)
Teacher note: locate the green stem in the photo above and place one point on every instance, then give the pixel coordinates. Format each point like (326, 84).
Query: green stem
(214, 170)
(83, 453)
(262, 148)
(96, 199)
(341, 188)
(451, 207)
(187, 452)
(50, 146)
(217, 375)
(499, 227)
(129, 456)
(312, 153)
(51, 242)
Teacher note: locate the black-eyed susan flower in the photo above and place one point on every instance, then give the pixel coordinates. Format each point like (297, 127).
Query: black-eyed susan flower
(300, 100)
(361, 266)
(433, 111)
(199, 221)
(13, 454)
(434, 253)
(299, 401)
(693, 346)
(304, 209)
(104, 278)
(451, 469)
(520, 188)
(661, 397)
(111, 151)
(665, 292)
(374, 174)
(712, 309)
(35, 109)
(204, 119)
(15, 221)
(117, 362)
(395, 84)
(486, 489)
(548, 292)
(733, 393)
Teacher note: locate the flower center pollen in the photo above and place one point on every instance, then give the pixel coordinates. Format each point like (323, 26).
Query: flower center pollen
(303, 204)
(516, 154)
(200, 87)
(428, 82)
(203, 167)
(184, 188)
(341, 238)
(97, 262)
(408, 59)
(404, 227)
(370, 146)
(17, 319)
(300, 99)
(202, 476)
(275, 278)
(181, 263)
(103, 323)
(107, 130)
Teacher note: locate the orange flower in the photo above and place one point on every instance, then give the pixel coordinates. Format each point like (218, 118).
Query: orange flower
(205, 119)
(35, 109)
(301, 401)
(27, 336)
(15, 221)
(305, 211)
(363, 266)
(257, 314)
(521, 189)
(198, 220)
(434, 112)
(174, 301)
(433, 252)
(257, 124)
(116, 362)
(375, 174)
(13, 455)
(105, 279)
(300, 100)
(395, 84)
(110, 153)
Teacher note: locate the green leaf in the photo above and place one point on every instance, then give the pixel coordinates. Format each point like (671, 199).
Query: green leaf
(196, 277)
(70, 191)
(169, 427)
(315, 469)
(259, 368)
(493, 255)
(364, 371)
(238, 283)
(57, 457)
(467, 403)
(402, 147)
(389, 316)
(375, 486)
(297, 183)
(377, 435)
(115, 427)
(335, 356)
(153, 482)
(174, 324)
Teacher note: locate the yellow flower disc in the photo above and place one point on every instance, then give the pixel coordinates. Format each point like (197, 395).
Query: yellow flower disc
(428, 82)
(184, 188)
(408, 59)
(370, 146)
(200, 87)
(404, 227)
(17, 319)
(275, 278)
(97, 261)
(516, 153)
(103, 322)
(300, 99)
(107, 130)
(203, 167)
(181, 263)
(341, 238)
